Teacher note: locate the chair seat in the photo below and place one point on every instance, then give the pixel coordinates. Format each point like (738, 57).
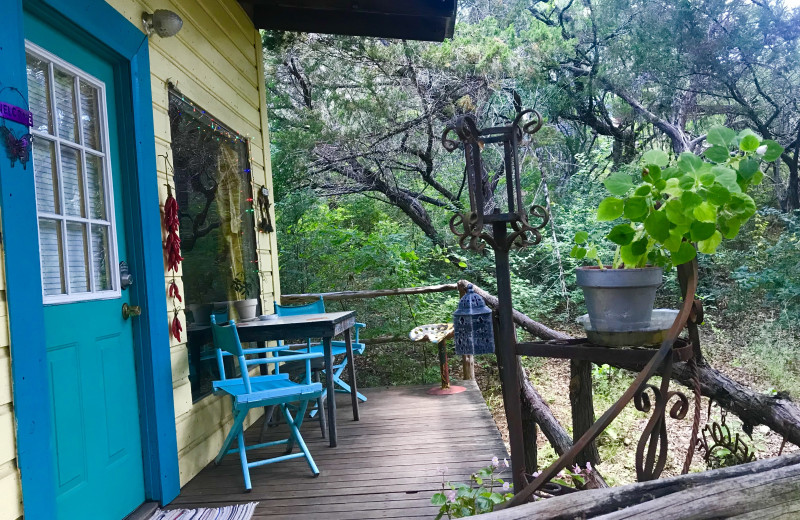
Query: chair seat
(265, 389)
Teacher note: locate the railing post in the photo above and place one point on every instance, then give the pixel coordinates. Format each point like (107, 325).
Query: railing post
(506, 350)
(467, 368)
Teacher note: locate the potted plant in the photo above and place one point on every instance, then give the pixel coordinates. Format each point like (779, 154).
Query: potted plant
(678, 208)
(245, 307)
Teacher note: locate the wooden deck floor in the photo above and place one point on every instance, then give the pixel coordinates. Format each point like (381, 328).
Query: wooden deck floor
(387, 465)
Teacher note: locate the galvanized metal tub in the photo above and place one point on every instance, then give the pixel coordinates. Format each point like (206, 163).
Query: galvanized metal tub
(619, 299)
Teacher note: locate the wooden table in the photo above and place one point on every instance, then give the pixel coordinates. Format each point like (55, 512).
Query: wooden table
(325, 326)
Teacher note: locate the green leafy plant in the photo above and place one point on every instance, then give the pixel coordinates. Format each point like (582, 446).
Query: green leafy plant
(481, 495)
(243, 286)
(692, 200)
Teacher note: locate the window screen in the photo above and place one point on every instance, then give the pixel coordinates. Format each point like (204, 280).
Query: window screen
(217, 226)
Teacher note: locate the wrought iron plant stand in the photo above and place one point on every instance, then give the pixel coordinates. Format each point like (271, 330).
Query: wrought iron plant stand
(487, 223)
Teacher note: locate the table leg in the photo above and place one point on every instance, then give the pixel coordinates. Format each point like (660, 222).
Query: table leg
(351, 371)
(263, 368)
(444, 369)
(326, 346)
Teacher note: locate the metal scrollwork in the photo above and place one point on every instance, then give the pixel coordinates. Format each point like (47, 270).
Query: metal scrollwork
(651, 451)
(720, 447)
(519, 237)
(469, 233)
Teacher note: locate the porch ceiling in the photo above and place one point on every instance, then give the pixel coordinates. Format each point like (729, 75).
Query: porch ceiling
(429, 20)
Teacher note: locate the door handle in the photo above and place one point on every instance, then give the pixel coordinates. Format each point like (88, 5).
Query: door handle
(125, 276)
(130, 310)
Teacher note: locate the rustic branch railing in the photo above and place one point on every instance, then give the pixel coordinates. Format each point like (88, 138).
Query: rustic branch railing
(294, 299)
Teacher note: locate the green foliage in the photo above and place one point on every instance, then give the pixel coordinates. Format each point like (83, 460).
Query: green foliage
(485, 491)
(691, 201)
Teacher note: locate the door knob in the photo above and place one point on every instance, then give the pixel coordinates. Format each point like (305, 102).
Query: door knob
(130, 310)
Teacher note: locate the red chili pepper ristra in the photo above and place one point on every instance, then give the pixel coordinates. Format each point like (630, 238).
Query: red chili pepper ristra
(176, 328)
(174, 292)
(171, 222)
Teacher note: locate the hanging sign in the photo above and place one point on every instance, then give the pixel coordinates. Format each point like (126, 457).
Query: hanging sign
(16, 114)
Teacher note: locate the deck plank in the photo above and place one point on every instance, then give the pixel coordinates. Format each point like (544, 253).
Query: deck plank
(387, 465)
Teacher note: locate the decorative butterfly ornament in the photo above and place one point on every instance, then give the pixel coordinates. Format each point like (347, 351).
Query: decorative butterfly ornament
(17, 148)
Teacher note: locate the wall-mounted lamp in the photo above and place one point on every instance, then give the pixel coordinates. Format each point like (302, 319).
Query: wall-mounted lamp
(162, 22)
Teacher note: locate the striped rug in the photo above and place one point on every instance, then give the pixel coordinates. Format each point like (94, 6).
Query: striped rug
(235, 512)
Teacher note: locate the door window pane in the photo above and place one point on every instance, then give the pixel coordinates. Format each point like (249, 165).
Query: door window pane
(90, 117)
(76, 257)
(66, 116)
(95, 185)
(50, 248)
(71, 179)
(39, 94)
(100, 258)
(45, 175)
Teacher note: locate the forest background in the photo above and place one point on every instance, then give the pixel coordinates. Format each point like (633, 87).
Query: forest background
(364, 190)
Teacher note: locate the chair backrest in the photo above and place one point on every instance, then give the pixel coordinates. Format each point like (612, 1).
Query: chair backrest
(316, 307)
(221, 311)
(227, 338)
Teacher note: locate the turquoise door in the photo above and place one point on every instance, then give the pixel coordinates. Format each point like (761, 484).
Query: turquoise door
(81, 222)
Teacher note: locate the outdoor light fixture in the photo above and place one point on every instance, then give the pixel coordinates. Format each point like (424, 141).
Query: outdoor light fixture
(162, 22)
(472, 323)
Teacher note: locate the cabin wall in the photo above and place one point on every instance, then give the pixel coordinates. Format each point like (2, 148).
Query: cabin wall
(216, 61)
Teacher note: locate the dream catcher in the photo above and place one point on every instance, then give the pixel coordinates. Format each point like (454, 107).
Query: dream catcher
(18, 148)
(264, 221)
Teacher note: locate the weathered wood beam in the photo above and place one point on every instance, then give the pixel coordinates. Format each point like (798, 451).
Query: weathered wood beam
(409, 19)
(293, 299)
(769, 486)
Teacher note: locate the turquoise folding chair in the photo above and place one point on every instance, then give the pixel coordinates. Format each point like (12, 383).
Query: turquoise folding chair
(249, 392)
(337, 347)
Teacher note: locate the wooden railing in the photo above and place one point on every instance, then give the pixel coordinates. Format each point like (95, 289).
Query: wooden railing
(467, 362)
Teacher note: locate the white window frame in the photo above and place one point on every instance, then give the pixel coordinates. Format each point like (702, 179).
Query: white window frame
(108, 183)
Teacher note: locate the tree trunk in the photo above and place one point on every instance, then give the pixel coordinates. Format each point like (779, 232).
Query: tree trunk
(580, 397)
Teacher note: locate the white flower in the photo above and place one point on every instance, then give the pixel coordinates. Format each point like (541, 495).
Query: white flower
(536, 474)
(761, 150)
(506, 486)
(495, 461)
(505, 463)
(450, 495)
(588, 467)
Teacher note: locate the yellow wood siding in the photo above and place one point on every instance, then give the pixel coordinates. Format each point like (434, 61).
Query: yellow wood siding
(216, 61)
(10, 492)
